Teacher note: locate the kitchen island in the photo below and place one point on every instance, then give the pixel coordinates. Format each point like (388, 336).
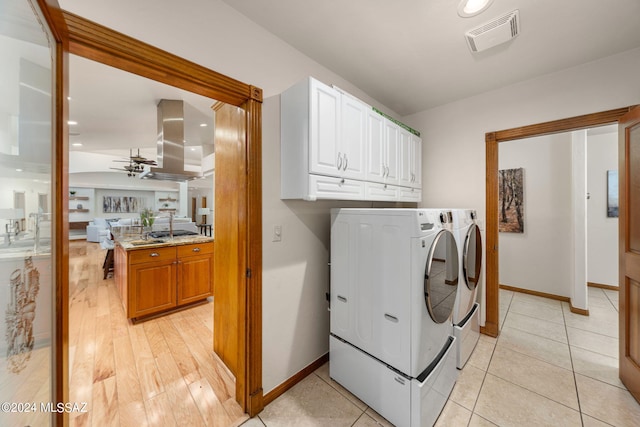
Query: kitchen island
(158, 276)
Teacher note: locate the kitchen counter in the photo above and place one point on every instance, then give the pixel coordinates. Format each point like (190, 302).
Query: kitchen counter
(161, 275)
(134, 242)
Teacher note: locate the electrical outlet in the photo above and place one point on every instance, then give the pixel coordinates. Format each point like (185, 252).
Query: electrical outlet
(277, 233)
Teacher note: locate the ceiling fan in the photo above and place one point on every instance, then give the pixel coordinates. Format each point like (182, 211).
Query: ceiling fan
(131, 169)
(138, 159)
(136, 163)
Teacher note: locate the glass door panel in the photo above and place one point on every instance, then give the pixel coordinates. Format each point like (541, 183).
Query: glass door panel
(26, 271)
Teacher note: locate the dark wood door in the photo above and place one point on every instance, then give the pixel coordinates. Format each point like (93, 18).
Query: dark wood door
(629, 252)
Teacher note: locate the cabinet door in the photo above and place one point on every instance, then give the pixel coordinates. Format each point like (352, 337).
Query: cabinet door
(405, 170)
(416, 154)
(376, 167)
(324, 129)
(152, 288)
(195, 278)
(391, 152)
(353, 139)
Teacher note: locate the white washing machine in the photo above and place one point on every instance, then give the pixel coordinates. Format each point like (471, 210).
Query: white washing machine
(466, 313)
(393, 289)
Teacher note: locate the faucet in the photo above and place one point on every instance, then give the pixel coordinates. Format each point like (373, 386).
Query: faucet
(7, 235)
(12, 227)
(39, 218)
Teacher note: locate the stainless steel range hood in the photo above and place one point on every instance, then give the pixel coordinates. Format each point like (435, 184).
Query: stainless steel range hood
(170, 145)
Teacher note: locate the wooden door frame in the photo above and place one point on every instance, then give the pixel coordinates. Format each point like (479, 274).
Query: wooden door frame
(492, 139)
(59, 206)
(87, 39)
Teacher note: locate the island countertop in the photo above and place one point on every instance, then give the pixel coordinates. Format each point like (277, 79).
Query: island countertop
(134, 242)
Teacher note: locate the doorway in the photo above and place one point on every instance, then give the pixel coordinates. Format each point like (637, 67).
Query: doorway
(238, 226)
(563, 177)
(492, 140)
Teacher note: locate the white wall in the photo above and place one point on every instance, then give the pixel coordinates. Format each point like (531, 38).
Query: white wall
(454, 134)
(295, 275)
(602, 232)
(548, 221)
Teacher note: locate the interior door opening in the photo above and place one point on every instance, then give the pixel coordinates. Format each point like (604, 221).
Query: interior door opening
(493, 139)
(245, 233)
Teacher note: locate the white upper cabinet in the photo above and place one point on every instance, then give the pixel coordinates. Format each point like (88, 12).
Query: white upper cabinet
(410, 170)
(416, 160)
(384, 143)
(353, 147)
(376, 158)
(391, 152)
(332, 144)
(324, 130)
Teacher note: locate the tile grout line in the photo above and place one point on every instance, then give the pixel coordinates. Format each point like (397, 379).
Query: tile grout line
(573, 370)
(342, 394)
(484, 377)
(524, 388)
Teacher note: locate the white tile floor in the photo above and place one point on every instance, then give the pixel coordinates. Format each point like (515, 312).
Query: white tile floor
(549, 367)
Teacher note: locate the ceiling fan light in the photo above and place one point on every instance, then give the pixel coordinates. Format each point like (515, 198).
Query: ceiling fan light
(469, 8)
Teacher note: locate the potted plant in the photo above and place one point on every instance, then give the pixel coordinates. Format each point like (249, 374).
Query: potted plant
(147, 218)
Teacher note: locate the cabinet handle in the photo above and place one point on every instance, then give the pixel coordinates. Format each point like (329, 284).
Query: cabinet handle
(154, 254)
(341, 298)
(339, 161)
(196, 249)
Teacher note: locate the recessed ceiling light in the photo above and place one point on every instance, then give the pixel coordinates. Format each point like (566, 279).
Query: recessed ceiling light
(72, 122)
(193, 148)
(77, 144)
(203, 125)
(18, 170)
(469, 8)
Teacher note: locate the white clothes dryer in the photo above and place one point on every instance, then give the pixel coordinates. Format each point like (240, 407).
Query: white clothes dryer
(466, 313)
(393, 288)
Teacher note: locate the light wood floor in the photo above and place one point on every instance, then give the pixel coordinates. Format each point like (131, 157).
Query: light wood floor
(156, 373)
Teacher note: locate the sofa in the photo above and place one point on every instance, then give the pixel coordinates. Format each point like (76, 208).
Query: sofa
(98, 230)
(161, 223)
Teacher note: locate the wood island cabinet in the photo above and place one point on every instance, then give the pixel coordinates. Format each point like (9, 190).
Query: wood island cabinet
(155, 280)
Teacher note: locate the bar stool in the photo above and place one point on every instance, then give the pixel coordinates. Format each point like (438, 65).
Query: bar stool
(107, 265)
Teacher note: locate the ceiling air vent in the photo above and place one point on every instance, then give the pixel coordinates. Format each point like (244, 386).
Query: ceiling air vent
(495, 32)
